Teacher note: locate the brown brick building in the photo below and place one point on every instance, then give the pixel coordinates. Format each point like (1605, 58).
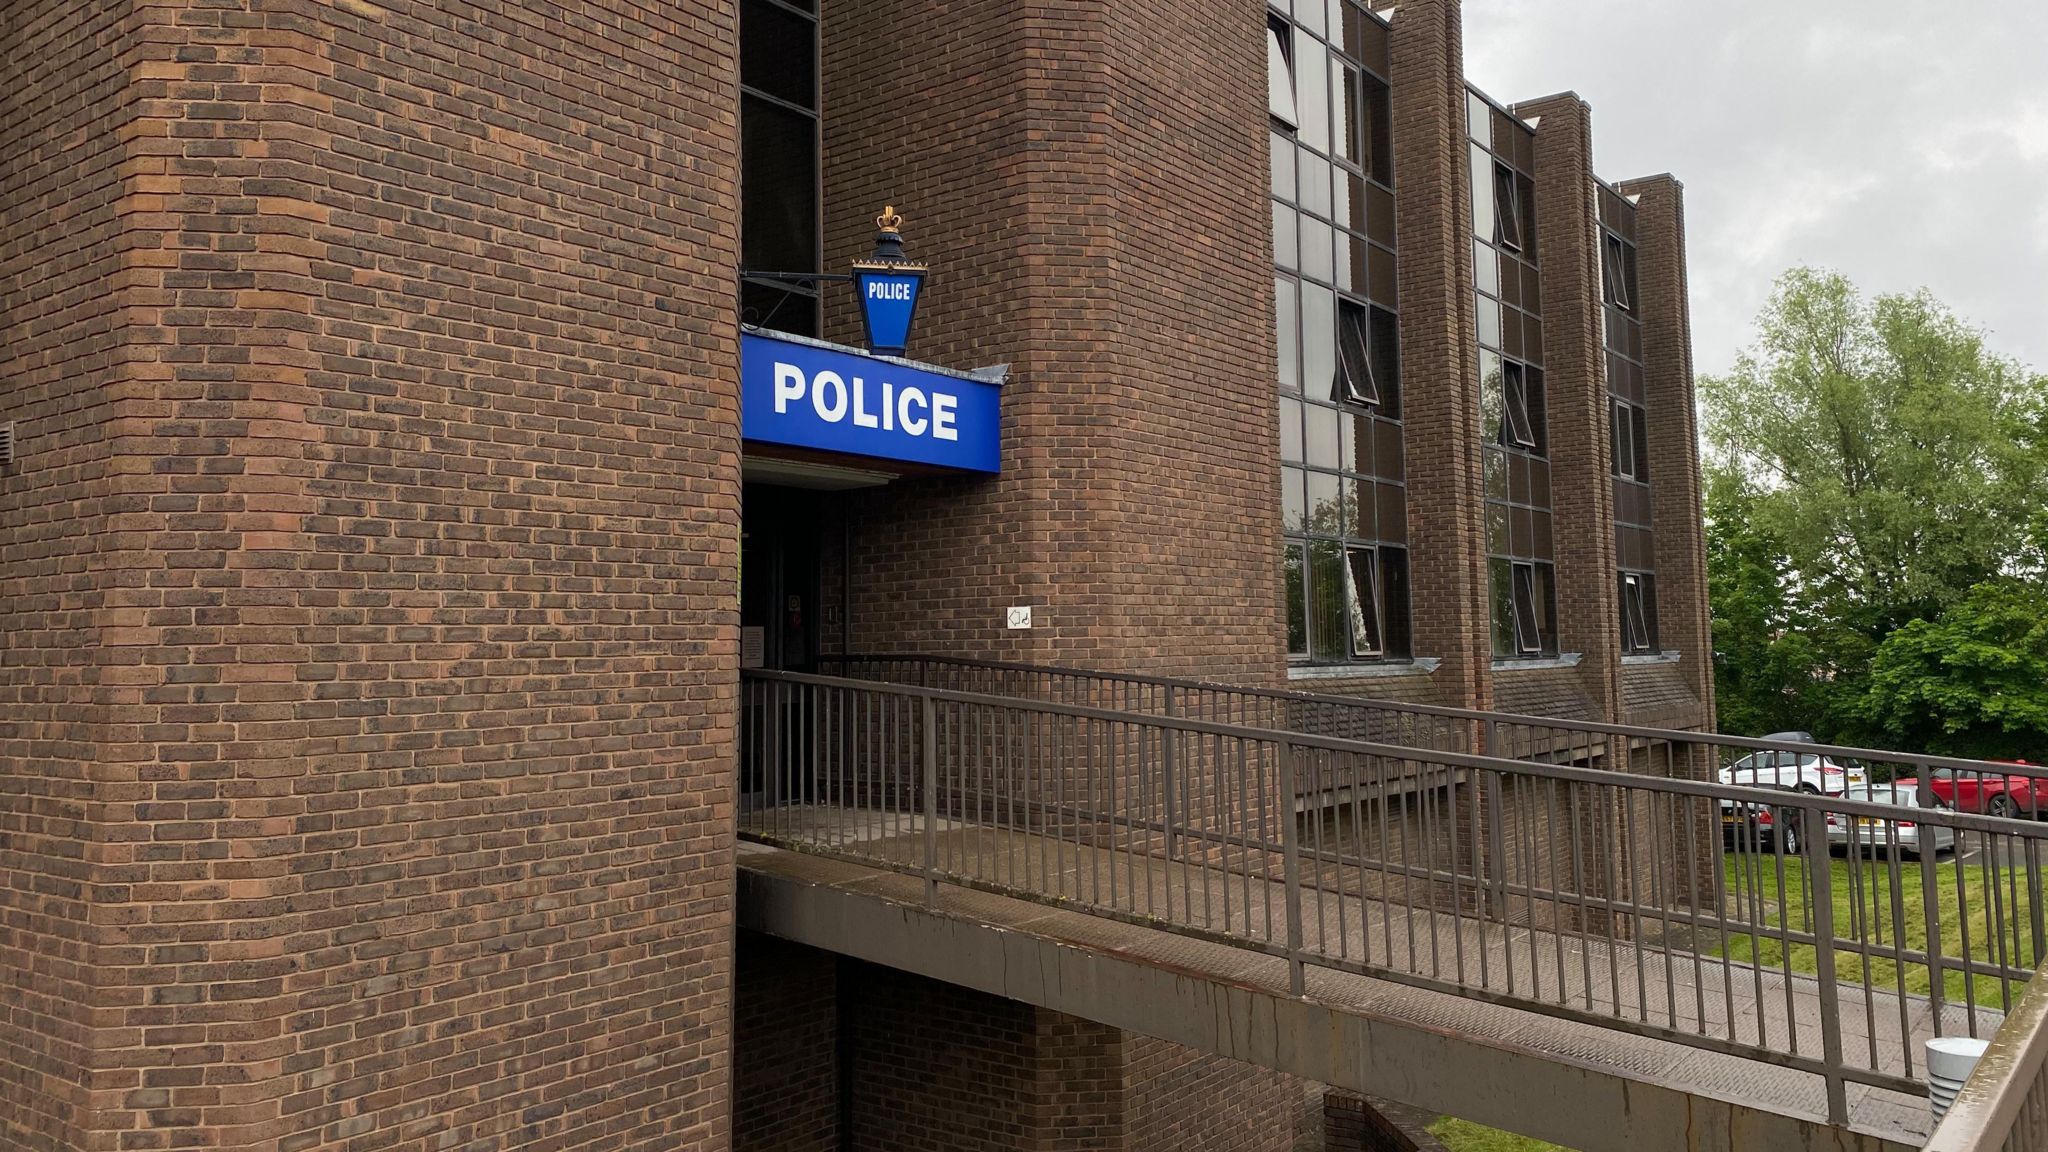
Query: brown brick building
(382, 541)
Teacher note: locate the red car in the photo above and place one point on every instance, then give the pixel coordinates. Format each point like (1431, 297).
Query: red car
(1991, 794)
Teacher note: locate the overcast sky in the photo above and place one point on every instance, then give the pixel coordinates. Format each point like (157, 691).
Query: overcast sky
(1905, 145)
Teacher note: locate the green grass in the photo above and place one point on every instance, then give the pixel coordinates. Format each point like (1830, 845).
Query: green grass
(1866, 908)
(1464, 1136)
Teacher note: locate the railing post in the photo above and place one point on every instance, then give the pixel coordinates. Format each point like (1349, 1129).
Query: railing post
(1291, 857)
(1930, 902)
(929, 761)
(1496, 846)
(1166, 776)
(1820, 868)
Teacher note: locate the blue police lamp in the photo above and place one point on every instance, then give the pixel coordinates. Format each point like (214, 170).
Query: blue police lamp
(888, 286)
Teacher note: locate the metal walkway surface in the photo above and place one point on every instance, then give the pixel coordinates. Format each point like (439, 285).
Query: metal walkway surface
(1644, 929)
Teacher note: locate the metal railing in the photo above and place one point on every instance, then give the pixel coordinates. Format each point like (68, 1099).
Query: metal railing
(1682, 909)
(1974, 785)
(2003, 1106)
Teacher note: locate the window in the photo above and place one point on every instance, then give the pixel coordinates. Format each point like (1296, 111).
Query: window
(779, 163)
(1629, 425)
(1507, 208)
(1613, 274)
(1528, 636)
(1635, 630)
(1364, 590)
(1385, 349)
(1639, 441)
(1295, 573)
(1354, 363)
(1280, 75)
(1517, 429)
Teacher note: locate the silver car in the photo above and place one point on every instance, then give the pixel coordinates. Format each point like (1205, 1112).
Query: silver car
(1872, 833)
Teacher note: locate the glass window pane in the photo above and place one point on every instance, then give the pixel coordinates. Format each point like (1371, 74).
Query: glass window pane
(1286, 248)
(1325, 504)
(778, 53)
(1482, 196)
(1318, 262)
(1318, 340)
(1489, 320)
(1501, 585)
(1385, 342)
(1478, 118)
(1490, 402)
(1312, 88)
(1326, 600)
(1528, 629)
(1388, 458)
(1294, 573)
(1377, 121)
(1354, 366)
(1323, 425)
(1379, 214)
(1393, 513)
(1315, 183)
(1345, 129)
(779, 207)
(1288, 326)
(1536, 402)
(1507, 207)
(1394, 601)
(1640, 441)
(1360, 509)
(1497, 529)
(1485, 267)
(1496, 473)
(1293, 500)
(1279, 79)
(1385, 288)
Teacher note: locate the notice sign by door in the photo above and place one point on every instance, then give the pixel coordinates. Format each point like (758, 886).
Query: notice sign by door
(812, 395)
(753, 647)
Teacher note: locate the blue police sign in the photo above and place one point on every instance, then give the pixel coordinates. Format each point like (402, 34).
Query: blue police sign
(809, 394)
(888, 302)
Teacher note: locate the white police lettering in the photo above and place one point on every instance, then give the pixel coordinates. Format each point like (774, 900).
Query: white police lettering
(836, 399)
(889, 290)
(915, 425)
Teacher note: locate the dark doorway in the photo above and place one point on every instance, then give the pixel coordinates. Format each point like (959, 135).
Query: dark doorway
(781, 580)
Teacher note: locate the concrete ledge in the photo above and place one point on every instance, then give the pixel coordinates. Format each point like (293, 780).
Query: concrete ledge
(1237, 1006)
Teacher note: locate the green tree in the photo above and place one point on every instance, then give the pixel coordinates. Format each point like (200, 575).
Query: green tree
(1870, 462)
(1973, 682)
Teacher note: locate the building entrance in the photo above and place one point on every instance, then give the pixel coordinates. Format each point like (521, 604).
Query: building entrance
(781, 580)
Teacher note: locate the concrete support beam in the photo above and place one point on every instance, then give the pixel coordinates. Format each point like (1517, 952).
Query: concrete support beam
(1231, 1010)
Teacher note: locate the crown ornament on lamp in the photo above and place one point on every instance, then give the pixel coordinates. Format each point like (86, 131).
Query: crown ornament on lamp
(888, 285)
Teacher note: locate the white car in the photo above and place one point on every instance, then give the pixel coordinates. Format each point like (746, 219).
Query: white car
(1799, 771)
(1877, 834)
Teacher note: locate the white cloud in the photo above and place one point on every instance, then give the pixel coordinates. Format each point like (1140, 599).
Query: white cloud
(1904, 144)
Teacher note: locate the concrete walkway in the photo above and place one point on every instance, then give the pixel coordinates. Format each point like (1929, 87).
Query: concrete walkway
(1475, 973)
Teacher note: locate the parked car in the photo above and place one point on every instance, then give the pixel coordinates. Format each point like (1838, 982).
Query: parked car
(1757, 827)
(1990, 793)
(1874, 834)
(1800, 771)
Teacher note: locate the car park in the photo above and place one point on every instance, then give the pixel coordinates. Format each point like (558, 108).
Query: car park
(1991, 793)
(1860, 833)
(1809, 772)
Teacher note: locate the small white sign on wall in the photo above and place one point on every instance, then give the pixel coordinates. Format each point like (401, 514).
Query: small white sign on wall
(1020, 616)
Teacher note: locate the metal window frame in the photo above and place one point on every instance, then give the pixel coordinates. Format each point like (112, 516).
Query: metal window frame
(1514, 392)
(1523, 595)
(1507, 205)
(1365, 607)
(1356, 383)
(1280, 38)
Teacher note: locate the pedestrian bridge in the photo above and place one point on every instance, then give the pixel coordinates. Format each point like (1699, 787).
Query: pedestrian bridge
(1564, 929)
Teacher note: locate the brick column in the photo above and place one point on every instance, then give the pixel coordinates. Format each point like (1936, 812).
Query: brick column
(1096, 217)
(1568, 236)
(385, 389)
(1446, 510)
(1664, 305)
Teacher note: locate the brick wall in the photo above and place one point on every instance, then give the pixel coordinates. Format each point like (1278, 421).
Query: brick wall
(64, 100)
(411, 717)
(1092, 196)
(785, 1057)
(1664, 305)
(1179, 1098)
